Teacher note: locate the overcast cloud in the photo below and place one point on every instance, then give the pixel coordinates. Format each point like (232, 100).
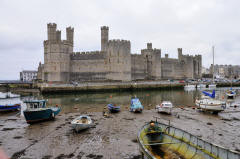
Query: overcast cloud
(169, 24)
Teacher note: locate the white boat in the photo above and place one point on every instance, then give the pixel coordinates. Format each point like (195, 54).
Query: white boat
(201, 85)
(81, 122)
(209, 103)
(189, 86)
(165, 107)
(212, 86)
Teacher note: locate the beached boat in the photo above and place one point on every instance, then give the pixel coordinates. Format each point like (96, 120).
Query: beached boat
(158, 140)
(81, 122)
(113, 108)
(136, 105)
(10, 107)
(37, 111)
(165, 107)
(210, 104)
(231, 94)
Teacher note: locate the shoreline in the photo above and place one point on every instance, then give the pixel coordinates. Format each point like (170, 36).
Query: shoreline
(46, 88)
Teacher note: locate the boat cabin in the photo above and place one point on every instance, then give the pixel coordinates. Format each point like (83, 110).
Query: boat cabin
(34, 104)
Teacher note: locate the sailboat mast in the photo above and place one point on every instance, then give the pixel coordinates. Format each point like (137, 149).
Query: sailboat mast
(213, 63)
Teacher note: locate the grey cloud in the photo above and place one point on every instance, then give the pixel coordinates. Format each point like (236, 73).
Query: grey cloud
(193, 25)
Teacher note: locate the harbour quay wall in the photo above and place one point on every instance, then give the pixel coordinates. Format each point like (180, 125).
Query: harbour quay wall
(108, 87)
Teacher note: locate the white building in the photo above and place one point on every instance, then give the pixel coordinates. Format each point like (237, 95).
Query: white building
(28, 75)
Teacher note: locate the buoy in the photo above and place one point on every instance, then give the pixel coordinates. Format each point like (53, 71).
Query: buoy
(56, 105)
(110, 96)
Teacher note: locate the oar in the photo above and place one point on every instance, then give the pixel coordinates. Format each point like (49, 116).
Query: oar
(162, 143)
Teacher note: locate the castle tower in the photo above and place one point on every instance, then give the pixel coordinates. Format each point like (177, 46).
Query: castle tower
(51, 28)
(69, 34)
(180, 54)
(118, 59)
(57, 55)
(104, 38)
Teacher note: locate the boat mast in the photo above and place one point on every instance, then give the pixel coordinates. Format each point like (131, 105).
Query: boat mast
(213, 64)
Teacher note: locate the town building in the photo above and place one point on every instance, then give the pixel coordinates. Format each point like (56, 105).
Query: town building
(28, 75)
(114, 62)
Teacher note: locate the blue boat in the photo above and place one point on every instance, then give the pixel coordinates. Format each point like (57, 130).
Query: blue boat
(10, 107)
(113, 108)
(136, 105)
(37, 111)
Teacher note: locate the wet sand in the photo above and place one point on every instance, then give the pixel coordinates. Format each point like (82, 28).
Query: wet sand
(110, 138)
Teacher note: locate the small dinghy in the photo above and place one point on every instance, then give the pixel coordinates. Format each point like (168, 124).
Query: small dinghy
(136, 105)
(113, 108)
(81, 122)
(158, 140)
(10, 107)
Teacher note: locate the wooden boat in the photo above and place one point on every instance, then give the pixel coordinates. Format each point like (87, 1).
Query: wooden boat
(159, 140)
(136, 105)
(37, 111)
(113, 108)
(81, 122)
(165, 107)
(10, 107)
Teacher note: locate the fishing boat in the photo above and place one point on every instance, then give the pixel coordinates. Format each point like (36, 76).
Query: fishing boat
(113, 108)
(210, 104)
(165, 107)
(159, 140)
(10, 107)
(81, 122)
(136, 105)
(37, 111)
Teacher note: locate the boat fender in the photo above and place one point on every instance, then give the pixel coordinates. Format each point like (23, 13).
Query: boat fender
(53, 115)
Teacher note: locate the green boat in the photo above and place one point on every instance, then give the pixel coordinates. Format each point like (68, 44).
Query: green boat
(159, 141)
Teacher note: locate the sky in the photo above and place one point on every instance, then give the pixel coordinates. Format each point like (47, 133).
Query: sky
(194, 26)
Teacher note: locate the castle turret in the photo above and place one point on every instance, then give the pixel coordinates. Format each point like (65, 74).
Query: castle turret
(51, 27)
(149, 46)
(104, 38)
(69, 34)
(180, 54)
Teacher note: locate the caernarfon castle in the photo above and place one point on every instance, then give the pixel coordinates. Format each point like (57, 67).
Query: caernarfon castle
(114, 62)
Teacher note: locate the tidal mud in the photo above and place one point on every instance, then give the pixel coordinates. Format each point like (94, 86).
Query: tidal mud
(110, 138)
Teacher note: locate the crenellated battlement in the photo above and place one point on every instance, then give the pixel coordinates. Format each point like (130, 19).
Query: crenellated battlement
(92, 55)
(104, 28)
(118, 42)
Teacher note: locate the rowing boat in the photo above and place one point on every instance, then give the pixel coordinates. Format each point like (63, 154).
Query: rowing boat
(156, 140)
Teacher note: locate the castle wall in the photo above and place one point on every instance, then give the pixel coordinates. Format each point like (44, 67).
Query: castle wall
(88, 66)
(138, 67)
(113, 62)
(118, 60)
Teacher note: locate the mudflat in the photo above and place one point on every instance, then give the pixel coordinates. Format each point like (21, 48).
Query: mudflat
(113, 137)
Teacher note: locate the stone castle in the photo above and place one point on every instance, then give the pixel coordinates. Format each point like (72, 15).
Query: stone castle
(114, 62)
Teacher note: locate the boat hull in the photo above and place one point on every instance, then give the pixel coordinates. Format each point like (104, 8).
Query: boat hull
(33, 116)
(211, 105)
(81, 126)
(167, 110)
(182, 143)
(113, 109)
(14, 107)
